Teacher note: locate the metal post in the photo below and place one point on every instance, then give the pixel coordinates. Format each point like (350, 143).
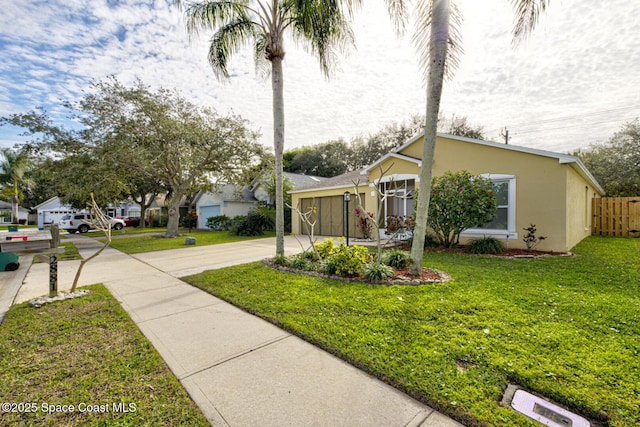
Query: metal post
(53, 261)
(346, 197)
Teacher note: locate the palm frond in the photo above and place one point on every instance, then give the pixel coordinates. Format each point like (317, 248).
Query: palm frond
(226, 41)
(451, 31)
(321, 26)
(263, 68)
(527, 13)
(399, 14)
(209, 15)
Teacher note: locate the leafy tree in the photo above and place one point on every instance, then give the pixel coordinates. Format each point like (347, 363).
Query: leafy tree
(616, 163)
(163, 136)
(14, 175)
(459, 201)
(437, 23)
(69, 163)
(459, 126)
(322, 25)
(327, 159)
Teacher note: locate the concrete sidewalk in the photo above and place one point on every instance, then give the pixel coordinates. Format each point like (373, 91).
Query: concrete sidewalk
(239, 369)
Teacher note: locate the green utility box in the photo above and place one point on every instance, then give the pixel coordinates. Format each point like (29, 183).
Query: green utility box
(9, 261)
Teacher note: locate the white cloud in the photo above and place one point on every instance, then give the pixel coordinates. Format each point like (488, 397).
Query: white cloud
(583, 58)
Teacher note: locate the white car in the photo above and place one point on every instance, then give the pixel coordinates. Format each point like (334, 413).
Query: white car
(81, 222)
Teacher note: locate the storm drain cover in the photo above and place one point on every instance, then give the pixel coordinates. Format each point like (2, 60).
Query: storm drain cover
(546, 412)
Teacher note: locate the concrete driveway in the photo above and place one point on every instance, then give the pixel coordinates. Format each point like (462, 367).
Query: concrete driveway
(196, 259)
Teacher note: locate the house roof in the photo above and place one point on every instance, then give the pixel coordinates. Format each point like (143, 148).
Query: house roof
(573, 161)
(301, 180)
(7, 205)
(230, 193)
(345, 180)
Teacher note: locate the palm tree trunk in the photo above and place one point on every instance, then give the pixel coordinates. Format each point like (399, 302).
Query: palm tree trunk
(277, 85)
(438, 55)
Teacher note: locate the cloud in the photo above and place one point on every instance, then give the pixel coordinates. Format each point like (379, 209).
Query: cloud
(583, 58)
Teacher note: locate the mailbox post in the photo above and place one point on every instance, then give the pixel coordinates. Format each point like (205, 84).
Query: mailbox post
(346, 197)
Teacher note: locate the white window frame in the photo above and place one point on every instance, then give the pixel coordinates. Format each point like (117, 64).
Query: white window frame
(510, 233)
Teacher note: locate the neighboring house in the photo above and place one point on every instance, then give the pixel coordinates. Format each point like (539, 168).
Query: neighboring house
(226, 199)
(297, 180)
(551, 190)
(6, 212)
(52, 210)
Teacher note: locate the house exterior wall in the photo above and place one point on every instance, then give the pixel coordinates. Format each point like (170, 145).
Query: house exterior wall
(548, 193)
(580, 195)
(228, 208)
(540, 185)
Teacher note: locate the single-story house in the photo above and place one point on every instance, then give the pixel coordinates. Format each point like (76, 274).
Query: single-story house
(6, 212)
(226, 199)
(551, 190)
(296, 180)
(51, 211)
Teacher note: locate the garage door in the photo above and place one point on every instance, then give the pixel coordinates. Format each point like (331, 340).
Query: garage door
(329, 216)
(207, 212)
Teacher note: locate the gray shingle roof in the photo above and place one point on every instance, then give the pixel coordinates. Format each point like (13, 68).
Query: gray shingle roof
(344, 180)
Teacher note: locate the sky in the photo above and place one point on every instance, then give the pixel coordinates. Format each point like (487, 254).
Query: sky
(574, 82)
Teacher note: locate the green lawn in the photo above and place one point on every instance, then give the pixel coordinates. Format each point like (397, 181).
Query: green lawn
(146, 243)
(567, 328)
(88, 353)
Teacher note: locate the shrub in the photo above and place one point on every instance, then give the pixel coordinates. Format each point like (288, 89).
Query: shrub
(530, 239)
(487, 245)
(459, 201)
(300, 262)
(265, 216)
(249, 225)
(159, 220)
(374, 271)
(365, 224)
(346, 260)
(396, 258)
(280, 260)
(190, 220)
(219, 223)
(325, 248)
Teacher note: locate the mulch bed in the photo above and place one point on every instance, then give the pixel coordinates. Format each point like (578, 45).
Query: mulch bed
(402, 277)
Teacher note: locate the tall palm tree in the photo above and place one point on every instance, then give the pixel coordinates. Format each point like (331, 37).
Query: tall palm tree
(321, 24)
(437, 41)
(14, 170)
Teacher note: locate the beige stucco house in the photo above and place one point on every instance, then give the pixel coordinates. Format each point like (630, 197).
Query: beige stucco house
(551, 190)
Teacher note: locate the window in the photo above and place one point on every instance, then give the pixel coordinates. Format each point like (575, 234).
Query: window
(399, 198)
(504, 223)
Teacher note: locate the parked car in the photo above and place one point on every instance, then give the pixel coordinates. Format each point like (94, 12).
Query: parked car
(130, 221)
(81, 222)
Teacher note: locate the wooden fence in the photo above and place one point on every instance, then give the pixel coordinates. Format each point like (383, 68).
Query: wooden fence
(616, 216)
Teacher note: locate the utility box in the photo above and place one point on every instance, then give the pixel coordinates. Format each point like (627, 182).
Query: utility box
(190, 241)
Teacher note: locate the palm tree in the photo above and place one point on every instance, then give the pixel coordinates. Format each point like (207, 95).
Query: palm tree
(15, 166)
(321, 24)
(437, 41)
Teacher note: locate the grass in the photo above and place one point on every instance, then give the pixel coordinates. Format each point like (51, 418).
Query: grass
(145, 243)
(70, 253)
(563, 327)
(86, 351)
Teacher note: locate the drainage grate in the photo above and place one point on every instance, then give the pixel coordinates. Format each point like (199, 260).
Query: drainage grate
(546, 412)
